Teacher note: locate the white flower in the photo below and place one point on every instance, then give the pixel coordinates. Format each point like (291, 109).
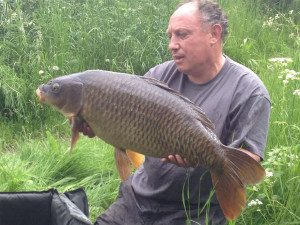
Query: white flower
(14, 15)
(280, 60)
(269, 174)
(255, 202)
(252, 203)
(259, 202)
(290, 76)
(297, 92)
(291, 12)
(55, 68)
(270, 67)
(255, 188)
(269, 22)
(107, 60)
(41, 72)
(285, 81)
(277, 16)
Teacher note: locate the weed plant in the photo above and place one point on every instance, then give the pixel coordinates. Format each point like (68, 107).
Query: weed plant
(44, 39)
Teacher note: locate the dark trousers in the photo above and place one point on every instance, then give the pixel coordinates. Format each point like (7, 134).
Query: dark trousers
(128, 210)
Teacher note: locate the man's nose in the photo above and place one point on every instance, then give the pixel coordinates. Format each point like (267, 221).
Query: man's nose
(173, 44)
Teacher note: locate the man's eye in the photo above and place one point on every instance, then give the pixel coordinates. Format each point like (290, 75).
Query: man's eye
(182, 35)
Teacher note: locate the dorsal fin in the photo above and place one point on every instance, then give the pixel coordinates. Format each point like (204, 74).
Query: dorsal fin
(164, 86)
(203, 118)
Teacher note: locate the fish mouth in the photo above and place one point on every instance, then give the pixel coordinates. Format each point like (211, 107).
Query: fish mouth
(40, 95)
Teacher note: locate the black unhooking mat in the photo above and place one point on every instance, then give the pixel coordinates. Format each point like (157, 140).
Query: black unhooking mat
(44, 208)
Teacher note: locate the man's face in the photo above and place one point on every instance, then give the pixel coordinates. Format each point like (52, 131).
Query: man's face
(189, 43)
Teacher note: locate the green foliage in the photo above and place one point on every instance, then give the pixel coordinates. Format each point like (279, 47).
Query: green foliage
(274, 201)
(280, 5)
(44, 164)
(44, 39)
(12, 89)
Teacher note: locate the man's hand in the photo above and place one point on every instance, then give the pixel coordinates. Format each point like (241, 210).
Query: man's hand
(86, 130)
(256, 157)
(177, 160)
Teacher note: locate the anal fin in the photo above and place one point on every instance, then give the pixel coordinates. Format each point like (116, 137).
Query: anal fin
(123, 163)
(136, 159)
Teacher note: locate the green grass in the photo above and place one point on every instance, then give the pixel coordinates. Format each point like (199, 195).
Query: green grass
(44, 39)
(40, 164)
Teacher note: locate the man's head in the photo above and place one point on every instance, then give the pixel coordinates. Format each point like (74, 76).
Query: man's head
(210, 13)
(196, 35)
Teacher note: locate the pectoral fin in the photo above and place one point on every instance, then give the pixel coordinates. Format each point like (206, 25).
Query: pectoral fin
(122, 163)
(75, 131)
(135, 158)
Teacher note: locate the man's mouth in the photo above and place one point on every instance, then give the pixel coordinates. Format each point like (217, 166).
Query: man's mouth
(178, 58)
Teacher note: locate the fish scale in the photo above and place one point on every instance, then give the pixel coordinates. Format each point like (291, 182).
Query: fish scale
(117, 106)
(140, 115)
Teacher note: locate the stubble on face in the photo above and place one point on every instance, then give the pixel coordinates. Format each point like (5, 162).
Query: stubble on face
(189, 42)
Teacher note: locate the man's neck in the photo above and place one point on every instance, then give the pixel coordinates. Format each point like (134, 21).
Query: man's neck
(208, 73)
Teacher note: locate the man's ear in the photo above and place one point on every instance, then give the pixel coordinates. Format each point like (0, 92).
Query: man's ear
(216, 33)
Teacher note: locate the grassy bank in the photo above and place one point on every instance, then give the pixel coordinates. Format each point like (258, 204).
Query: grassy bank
(44, 39)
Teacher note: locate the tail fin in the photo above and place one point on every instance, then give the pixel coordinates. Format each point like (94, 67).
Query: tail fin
(239, 169)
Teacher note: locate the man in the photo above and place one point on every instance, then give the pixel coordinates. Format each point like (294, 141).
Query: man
(232, 96)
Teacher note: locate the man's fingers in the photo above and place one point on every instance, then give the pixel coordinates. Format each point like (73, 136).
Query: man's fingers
(172, 159)
(84, 127)
(182, 161)
(87, 130)
(177, 160)
(90, 133)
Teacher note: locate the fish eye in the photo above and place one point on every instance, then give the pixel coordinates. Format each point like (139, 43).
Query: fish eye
(55, 87)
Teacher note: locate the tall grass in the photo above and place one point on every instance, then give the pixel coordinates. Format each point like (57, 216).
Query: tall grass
(43, 164)
(44, 39)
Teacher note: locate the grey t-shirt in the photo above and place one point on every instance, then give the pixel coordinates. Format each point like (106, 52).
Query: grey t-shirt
(237, 102)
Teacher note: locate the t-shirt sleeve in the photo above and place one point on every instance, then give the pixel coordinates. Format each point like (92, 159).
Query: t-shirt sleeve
(162, 71)
(248, 125)
(156, 72)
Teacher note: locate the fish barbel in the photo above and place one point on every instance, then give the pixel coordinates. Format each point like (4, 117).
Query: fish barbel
(142, 116)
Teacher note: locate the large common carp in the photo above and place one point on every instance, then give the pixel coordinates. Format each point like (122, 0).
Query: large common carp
(146, 116)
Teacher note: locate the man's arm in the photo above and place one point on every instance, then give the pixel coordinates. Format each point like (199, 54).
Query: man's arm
(256, 157)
